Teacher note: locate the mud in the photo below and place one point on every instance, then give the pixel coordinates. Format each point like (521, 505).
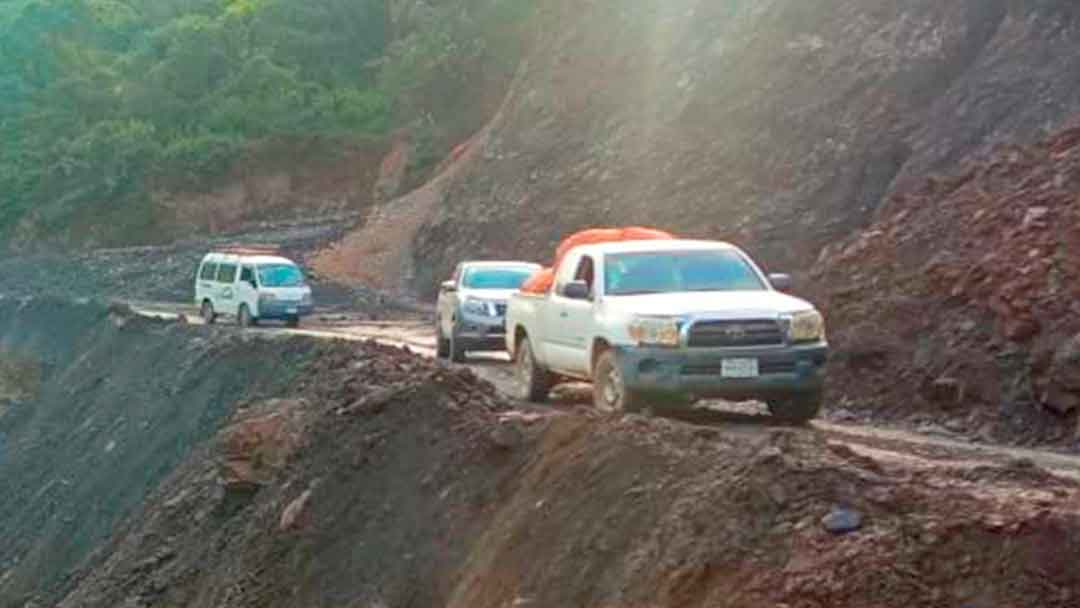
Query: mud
(415, 484)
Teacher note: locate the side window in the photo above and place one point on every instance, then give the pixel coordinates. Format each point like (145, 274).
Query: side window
(566, 272)
(226, 273)
(209, 271)
(586, 272)
(247, 275)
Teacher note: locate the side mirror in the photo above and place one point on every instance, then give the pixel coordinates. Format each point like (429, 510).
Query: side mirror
(449, 286)
(780, 282)
(577, 290)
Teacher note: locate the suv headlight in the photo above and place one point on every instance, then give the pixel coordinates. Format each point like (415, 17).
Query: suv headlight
(806, 326)
(479, 308)
(655, 331)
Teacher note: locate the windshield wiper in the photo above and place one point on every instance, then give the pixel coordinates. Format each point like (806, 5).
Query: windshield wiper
(639, 292)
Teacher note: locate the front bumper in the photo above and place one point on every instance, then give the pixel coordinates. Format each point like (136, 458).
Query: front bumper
(284, 310)
(696, 372)
(484, 334)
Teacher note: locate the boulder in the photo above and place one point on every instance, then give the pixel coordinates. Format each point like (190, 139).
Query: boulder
(258, 443)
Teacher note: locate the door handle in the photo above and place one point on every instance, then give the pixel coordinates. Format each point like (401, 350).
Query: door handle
(564, 314)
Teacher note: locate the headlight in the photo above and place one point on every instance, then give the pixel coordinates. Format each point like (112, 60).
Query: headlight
(806, 326)
(657, 331)
(479, 308)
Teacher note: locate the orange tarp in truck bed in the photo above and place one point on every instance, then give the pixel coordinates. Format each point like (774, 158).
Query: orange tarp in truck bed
(542, 281)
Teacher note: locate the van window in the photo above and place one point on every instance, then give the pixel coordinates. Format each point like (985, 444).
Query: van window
(247, 275)
(209, 271)
(226, 273)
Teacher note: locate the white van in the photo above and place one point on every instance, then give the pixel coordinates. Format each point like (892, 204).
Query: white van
(251, 285)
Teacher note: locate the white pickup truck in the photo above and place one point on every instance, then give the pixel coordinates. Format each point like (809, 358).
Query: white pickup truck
(669, 321)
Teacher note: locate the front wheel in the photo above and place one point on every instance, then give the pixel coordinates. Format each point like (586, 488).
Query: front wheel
(456, 348)
(610, 393)
(442, 345)
(796, 409)
(533, 382)
(243, 316)
(207, 312)
(292, 322)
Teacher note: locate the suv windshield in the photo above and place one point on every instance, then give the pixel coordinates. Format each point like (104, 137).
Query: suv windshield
(496, 278)
(676, 271)
(280, 275)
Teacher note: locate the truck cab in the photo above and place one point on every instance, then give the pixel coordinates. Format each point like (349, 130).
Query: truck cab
(669, 321)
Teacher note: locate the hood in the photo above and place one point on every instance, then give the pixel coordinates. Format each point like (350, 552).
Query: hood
(765, 304)
(491, 295)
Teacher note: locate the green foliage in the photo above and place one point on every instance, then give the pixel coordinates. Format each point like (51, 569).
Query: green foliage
(101, 99)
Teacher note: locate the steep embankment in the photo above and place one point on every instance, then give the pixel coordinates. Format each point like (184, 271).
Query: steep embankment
(962, 301)
(96, 408)
(780, 124)
(392, 481)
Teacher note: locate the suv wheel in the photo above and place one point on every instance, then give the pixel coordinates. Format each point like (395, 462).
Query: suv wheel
(243, 316)
(442, 345)
(797, 409)
(292, 322)
(533, 382)
(609, 387)
(207, 312)
(456, 348)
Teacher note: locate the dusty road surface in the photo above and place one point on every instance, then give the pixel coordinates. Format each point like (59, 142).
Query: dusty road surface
(902, 446)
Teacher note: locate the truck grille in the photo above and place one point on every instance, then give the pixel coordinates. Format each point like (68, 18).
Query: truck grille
(716, 369)
(719, 334)
(500, 309)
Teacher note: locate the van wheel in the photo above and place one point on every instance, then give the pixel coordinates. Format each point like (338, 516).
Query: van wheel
(797, 409)
(243, 317)
(207, 312)
(533, 382)
(292, 322)
(609, 387)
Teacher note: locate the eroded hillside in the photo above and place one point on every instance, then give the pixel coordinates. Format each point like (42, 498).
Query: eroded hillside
(779, 124)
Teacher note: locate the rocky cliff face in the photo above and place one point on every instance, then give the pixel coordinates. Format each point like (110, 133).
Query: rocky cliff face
(779, 124)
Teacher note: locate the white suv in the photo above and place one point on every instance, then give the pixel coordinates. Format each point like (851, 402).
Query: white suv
(251, 285)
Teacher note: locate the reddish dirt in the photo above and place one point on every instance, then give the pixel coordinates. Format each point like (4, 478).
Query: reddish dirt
(410, 484)
(956, 301)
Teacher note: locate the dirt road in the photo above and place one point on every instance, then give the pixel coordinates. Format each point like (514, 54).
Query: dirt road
(899, 446)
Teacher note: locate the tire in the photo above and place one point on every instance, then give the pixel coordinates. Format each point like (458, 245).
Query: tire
(292, 322)
(797, 409)
(243, 316)
(533, 382)
(456, 348)
(206, 311)
(442, 345)
(609, 388)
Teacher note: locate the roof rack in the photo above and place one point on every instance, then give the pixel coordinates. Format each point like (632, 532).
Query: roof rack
(249, 249)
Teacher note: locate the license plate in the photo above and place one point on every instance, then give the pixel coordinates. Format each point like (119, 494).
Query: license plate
(739, 368)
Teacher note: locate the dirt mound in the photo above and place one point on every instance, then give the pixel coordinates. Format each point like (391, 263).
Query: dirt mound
(409, 484)
(967, 290)
(96, 408)
(780, 125)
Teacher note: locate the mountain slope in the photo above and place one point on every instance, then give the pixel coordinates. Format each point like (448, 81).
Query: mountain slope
(779, 124)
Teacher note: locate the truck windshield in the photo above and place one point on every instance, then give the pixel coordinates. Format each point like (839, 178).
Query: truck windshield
(678, 271)
(496, 278)
(280, 275)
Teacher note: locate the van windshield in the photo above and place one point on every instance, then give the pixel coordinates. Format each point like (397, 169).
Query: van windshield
(280, 275)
